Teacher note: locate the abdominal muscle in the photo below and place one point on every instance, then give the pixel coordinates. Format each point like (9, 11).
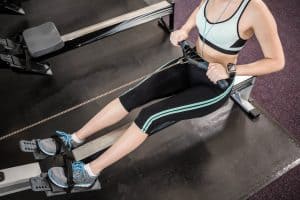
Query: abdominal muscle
(213, 56)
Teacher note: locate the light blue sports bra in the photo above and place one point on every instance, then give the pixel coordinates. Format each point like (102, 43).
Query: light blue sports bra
(224, 35)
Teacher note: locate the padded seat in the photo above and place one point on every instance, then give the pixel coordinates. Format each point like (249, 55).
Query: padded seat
(43, 39)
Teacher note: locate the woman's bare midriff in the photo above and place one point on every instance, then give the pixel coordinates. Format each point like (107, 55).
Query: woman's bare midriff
(213, 56)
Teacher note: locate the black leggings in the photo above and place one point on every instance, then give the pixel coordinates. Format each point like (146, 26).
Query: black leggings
(185, 93)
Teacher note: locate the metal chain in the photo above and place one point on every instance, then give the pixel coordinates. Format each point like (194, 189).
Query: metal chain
(13, 133)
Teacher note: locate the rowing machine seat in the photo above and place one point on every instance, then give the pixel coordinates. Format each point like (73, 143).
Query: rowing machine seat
(43, 39)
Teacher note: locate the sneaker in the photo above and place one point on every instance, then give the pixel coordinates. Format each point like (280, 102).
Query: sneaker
(81, 178)
(49, 147)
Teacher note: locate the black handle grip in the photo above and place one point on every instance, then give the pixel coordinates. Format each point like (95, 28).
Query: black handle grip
(223, 84)
(201, 65)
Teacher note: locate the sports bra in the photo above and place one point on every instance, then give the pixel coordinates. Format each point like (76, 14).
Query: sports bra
(224, 35)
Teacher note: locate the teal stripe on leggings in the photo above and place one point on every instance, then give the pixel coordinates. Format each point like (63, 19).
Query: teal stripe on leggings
(185, 108)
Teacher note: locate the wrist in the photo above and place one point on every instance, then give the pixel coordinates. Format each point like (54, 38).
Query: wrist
(186, 29)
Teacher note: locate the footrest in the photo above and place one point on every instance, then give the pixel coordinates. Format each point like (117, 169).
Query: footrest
(30, 146)
(43, 184)
(40, 184)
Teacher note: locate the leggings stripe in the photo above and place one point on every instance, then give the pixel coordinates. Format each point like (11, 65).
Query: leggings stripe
(185, 108)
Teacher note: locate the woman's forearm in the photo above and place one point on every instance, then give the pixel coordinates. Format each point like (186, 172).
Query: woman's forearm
(191, 22)
(260, 67)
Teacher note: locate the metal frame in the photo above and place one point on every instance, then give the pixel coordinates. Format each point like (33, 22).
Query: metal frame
(16, 180)
(241, 95)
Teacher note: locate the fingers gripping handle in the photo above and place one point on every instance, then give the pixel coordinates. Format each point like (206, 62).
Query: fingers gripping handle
(223, 84)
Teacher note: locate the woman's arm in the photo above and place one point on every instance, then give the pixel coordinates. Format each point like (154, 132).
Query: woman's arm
(183, 33)
(265, 29)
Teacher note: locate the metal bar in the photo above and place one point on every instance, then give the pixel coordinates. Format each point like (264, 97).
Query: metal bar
(114, 21)
(241, 93)
(172, 16)
(17, 178)
(128, 24)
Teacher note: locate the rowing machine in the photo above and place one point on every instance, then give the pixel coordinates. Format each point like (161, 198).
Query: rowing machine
(27, 52)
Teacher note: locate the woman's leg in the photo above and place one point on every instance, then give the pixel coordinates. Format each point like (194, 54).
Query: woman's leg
(132, 138)
(109, 115)
(159, 85)
(191, 103)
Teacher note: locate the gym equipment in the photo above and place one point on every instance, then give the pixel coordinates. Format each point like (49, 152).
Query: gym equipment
(14, 179)
(25, 54)
(11, 6)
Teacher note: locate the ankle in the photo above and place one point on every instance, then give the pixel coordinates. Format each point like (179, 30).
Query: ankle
(77, 139)
(90, 170)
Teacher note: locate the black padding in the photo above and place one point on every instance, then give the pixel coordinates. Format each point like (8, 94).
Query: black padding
(43, 39)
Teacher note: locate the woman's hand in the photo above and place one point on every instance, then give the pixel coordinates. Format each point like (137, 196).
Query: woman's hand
(178, 36)
(216, 72)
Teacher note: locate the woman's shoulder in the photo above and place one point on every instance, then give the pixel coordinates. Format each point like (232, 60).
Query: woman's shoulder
(258, 6)
(258, 11)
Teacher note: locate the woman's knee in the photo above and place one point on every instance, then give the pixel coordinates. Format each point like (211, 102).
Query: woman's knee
(150, 122)
(142, 119)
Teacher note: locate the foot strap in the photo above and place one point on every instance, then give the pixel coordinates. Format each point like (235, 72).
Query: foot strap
(60, 146)
(69, 172)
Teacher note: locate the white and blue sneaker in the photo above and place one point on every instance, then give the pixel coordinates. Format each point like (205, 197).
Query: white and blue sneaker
(81, 178)
(49, 147)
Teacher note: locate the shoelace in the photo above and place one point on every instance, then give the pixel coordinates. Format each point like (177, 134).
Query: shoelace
(78, 168)
(66, 138)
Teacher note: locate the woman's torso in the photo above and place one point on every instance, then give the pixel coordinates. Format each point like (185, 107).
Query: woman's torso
(237, 13)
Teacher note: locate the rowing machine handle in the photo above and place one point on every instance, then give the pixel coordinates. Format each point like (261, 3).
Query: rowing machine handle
(223, 84)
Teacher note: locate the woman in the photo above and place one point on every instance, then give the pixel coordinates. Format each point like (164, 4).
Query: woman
(223, 26)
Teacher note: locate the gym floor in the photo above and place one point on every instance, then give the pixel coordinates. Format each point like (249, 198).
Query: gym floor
(210, 158)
